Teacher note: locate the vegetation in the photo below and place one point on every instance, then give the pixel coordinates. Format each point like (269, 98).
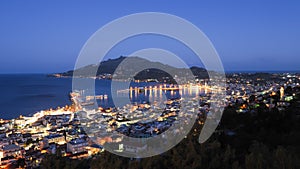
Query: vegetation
(133, 64)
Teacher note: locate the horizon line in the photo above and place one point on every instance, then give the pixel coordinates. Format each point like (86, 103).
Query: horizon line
(226, 71)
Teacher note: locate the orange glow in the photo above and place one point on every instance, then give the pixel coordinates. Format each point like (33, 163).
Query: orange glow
(244, 106)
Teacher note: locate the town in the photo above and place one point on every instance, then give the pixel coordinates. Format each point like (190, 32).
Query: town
(77, 132)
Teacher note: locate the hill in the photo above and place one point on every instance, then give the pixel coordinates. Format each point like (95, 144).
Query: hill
(120, 71)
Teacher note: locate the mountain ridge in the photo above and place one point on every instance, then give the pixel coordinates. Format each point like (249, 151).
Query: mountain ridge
(113, 67)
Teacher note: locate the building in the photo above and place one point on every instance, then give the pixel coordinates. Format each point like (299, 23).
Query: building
(77, 146)
(10, 150)
(53, 138)
(94, 149)
(132, 147)
(282, 93)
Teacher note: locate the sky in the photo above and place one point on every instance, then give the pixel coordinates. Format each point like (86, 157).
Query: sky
(47, 36)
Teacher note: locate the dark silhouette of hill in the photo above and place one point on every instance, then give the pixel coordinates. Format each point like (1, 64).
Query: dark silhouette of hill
(120, 71)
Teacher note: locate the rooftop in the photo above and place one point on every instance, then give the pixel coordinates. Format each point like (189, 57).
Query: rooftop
(10, 147)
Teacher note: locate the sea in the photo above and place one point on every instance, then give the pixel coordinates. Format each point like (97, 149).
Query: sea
(26, 94)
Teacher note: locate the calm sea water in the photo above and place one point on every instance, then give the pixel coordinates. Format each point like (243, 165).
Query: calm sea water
(27, 94)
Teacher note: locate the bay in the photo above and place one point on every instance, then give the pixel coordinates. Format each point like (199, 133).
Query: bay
(26, 94)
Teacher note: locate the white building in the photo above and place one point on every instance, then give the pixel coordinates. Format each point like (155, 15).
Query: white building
(53, 138)
(10, 150)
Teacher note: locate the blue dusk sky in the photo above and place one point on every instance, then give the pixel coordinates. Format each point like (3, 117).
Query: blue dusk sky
(47, 36)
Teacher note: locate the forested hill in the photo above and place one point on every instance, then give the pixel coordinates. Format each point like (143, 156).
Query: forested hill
(136, 63)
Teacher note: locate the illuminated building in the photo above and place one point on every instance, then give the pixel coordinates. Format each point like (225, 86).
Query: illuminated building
(77, 146)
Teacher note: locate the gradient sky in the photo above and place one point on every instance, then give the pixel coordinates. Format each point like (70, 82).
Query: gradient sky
(46, 36)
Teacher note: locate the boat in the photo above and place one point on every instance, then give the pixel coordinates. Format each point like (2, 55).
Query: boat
(87, 103)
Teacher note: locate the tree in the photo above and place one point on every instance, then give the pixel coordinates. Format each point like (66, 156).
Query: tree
(258, 157)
